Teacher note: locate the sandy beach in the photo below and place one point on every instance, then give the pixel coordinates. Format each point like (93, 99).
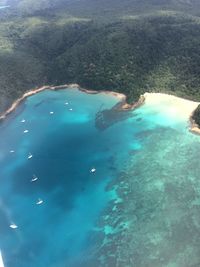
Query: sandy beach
(177, 106)
(180, 107)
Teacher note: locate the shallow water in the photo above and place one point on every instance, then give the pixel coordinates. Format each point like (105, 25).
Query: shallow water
(140, 207)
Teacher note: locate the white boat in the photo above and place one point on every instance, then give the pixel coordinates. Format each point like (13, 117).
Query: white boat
(70, 109)
(93, 170)
(39, 202)
(12, 151)
(35, 178)
(13, 226)
(23, 120)
(51, 112)
(66, 103)
(1, 260)
(25, 131)
(30, 156)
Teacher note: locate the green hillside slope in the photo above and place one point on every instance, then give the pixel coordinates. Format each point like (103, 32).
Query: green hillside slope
(120, 48)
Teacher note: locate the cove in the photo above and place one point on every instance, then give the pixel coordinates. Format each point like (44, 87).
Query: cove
(58, 129)
(140, 206)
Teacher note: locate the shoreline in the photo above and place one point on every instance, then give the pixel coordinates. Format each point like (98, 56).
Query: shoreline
(194, 128)
(122, 105)
(181, 107)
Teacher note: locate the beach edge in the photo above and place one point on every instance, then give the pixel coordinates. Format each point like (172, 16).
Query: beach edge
(123, 105)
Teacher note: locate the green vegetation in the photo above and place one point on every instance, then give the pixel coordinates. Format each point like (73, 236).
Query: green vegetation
(125, 46)
(196, 115)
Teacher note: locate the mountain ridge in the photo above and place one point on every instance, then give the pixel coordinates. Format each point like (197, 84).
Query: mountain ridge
(156, 51)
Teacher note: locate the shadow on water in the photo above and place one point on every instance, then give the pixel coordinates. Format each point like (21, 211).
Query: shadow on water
(108, 117)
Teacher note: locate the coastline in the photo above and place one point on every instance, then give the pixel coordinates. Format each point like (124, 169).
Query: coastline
(177, 106)
(123, 105)
(187, 107)
(194, 128)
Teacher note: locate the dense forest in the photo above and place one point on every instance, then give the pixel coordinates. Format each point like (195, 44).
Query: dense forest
(128, 46)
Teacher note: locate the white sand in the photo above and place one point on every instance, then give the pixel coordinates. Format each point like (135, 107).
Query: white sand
(174, 106)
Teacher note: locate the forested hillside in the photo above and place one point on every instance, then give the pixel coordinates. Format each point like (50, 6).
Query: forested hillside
(129, 46)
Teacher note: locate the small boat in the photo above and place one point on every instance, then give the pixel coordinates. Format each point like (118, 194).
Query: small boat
(30, 156)
(13, 226)
(12, 151)
(39, 202)
(93, 170)
(35, 178)
(66, 103)
(23, 120)
(70, 109)
(51, 112)
(25, 131)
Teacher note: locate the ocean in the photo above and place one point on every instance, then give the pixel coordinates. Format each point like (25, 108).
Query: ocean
(84, 184)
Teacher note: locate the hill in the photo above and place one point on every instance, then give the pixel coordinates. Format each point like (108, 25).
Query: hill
(129, 46)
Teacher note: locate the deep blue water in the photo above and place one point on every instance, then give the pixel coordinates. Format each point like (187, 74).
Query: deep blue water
(127, 213)
(65, 146)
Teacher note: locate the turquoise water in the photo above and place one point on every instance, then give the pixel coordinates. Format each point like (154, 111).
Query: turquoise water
(141, 207)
